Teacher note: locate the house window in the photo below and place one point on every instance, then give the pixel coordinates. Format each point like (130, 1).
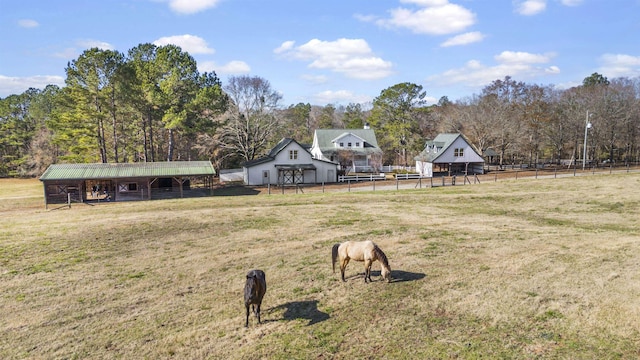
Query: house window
(293, 154)
(341, 144)
(357, 144)
(459, 152)
(349, 145)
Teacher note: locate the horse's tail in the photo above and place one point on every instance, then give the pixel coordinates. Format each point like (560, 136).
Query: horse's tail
(382, 257)
(334, 256)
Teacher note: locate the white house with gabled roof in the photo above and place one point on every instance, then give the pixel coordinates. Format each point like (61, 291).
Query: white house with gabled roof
(451, 153)
(355, 150)
(289, 163)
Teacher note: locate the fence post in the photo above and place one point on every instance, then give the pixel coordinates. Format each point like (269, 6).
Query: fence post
(555, 173)
(323, 187)
(349, 182)
(397, 182)
(269, 188)
(69, 200)
(443, 180)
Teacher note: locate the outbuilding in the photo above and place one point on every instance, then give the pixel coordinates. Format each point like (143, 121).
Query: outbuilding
(289, 163)
(450, 153)
(126, 181)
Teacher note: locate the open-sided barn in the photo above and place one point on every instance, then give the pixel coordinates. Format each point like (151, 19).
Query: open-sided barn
(125, 181)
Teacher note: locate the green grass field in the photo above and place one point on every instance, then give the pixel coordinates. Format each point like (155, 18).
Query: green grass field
(526, 269)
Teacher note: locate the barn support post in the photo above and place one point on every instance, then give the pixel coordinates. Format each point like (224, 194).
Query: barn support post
(46, 195)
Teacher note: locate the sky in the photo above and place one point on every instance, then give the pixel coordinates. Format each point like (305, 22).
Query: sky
(335, 51)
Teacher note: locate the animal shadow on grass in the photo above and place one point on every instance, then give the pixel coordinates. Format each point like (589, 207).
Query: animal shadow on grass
(399, 275)
(301, 310)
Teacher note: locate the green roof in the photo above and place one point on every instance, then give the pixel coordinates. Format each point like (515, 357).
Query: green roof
(127, 170)
(326, 136)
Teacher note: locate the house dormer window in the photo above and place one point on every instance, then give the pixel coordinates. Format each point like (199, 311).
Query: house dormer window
(458, 152)
(293, 154)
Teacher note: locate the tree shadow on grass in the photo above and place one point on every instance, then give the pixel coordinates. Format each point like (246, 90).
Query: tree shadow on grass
(301, 310)
(235, 190)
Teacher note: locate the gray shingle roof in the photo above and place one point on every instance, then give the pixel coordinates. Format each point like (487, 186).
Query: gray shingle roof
(325, 138)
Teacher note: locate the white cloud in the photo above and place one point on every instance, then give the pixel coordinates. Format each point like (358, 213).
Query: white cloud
(350, 57)
(191, 6)
(433, 17)
(339, 97)
(68, 53)
(235, 67)
(286, 46)
(88, 44)
(315, 79)
(619, 65)
(464, 39)
(531, 7)
(189, 43)
(519, 57)
(18, 85)
(519, 65)
(571, 2)
(28, 23)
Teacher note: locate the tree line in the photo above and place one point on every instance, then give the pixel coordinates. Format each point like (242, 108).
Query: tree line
(152, 104)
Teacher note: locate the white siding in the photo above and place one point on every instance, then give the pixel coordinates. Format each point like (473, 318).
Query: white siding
(424, 168)
(254, 175)
(355, 141)
(469, 156)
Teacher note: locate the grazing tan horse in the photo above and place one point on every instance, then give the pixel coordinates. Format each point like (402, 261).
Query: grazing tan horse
(365, 251)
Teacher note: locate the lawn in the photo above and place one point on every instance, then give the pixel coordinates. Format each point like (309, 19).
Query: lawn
(526, 269)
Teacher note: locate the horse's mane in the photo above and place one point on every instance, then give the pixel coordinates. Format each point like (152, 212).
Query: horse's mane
(334, 256)
(382, 257)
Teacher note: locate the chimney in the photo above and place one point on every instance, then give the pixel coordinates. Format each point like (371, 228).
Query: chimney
(366, 126)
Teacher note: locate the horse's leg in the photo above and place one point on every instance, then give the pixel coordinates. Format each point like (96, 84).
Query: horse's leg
(258, 312)
(343, 266)
(367, 270)
(246, 323)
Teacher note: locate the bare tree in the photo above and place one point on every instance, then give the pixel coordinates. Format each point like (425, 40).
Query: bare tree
(253, 118)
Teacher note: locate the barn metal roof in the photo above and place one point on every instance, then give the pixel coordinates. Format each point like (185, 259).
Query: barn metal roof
(127, 170)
